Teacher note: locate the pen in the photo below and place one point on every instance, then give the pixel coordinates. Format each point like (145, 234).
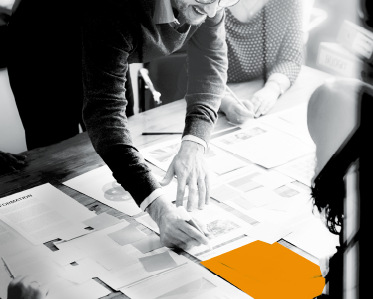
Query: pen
(7, 268)
(235, 97)
(161, 133)
(186, 217)
(195, 225)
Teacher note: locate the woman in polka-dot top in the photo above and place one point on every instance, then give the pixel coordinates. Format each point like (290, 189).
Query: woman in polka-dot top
(265, 40)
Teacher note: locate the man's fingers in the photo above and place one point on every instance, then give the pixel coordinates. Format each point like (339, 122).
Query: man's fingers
(207, 184)
(169, 175)
(256, 102)
(201, 193)
(194, 233)
(203, 227)
(192, 197)
(180, 192)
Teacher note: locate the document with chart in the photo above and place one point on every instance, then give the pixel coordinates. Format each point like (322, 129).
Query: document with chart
(263, 145)
(100, 185)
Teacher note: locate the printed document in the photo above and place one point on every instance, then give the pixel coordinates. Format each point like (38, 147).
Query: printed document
(44, 213)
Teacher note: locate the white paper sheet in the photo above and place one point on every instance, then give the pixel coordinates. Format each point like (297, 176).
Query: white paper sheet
(189, 281)
(43, 213)
(34, 261)
(263, 145)
(313, 237)
(11, 240)
(292, 121)
(301, 169)
(100, 185)
(272, 179)
(268, 232)
(65, 256)
(147, 221)
(88, 290)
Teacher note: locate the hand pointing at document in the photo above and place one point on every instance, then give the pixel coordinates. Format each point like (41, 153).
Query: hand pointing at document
(191, 170)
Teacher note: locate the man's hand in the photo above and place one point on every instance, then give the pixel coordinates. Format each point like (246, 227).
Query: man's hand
(174, 231)
(10, 162)
(190, 168)
(264, 99)
(26, 287)
(234, 112)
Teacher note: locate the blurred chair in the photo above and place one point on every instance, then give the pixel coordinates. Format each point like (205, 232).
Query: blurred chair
(163, 73)
(312, 17)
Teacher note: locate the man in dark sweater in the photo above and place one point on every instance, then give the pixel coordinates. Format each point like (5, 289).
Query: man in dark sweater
(113, 35)
(125, 32)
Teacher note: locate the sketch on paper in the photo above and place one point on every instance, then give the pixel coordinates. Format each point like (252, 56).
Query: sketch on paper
(221, 227)
(242, 136)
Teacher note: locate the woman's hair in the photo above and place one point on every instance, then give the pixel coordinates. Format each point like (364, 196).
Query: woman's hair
(328, 190)
(328, 193)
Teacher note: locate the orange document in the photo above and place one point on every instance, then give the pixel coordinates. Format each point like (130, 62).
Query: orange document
(266, 271)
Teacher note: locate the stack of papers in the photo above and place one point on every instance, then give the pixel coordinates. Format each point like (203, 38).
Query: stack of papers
(269, 271)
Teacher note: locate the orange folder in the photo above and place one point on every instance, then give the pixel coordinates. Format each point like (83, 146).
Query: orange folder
(266, 271)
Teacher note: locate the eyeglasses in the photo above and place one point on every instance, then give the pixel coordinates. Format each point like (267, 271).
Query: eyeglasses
(222, 3)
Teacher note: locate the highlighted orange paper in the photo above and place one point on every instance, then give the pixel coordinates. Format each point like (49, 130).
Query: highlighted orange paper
(269, 271)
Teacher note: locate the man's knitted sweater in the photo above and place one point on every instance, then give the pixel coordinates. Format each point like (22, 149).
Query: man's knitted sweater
(120, 32)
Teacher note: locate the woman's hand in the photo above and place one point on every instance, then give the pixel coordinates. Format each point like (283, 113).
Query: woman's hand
(264, 99)
(234, 111)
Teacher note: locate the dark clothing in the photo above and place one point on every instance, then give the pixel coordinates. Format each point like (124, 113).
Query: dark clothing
(45, 70)
(122, 32)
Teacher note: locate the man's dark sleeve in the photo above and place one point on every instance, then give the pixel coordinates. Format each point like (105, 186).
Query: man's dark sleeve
(105, 54)
(207, 65)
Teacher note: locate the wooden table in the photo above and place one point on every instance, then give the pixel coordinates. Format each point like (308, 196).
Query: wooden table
(63, 161)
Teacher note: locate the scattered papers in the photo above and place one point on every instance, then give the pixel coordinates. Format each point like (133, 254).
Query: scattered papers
(102, 221)
(66, 256)
(127, 235)
(34, 261)
(11, 240)
(292, 121)
(147, 221)
(150, 243)
(77, 274)
(88, 290)
(267, 232)
(301, 169)
(313, 237)
(100, 185)
(157, 262)
(263, 145)
(162, 154)
(44, 213)
(261, 196)
(272, 179)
